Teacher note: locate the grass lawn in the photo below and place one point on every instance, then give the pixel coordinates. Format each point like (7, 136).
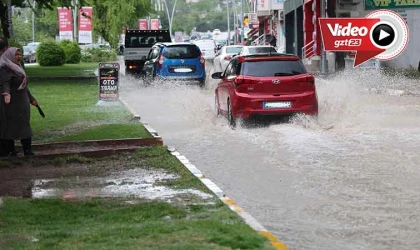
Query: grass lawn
(73, 113)
(112, 223)
(67, 70)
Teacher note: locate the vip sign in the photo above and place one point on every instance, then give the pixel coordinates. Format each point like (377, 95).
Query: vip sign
(382, 34)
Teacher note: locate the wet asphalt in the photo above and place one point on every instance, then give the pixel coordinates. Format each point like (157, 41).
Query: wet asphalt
(350, 180)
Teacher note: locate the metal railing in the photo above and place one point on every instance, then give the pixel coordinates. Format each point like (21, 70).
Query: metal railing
(308, 50)
(259, 41)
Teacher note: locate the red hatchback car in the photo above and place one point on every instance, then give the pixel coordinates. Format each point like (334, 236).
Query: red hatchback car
(273, 84)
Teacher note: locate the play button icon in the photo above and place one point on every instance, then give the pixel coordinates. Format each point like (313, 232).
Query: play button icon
(383, 35)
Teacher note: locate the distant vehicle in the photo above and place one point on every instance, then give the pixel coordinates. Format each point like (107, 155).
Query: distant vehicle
(257, 49)
(29, 54)
(137, 46)
(224, 55)
(33, 45)
(207, 48)
(206, 36)
(271, 84)
(216, 32)
(175, 61)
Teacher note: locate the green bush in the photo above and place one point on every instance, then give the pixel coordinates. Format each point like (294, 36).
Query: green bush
(50, 54)
(72, 51)
(99, 55)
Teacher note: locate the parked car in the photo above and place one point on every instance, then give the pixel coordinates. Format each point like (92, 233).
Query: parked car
(207, 48)
(29, 54)
(224, 55)
(33, 45)
(257, 49)
(271, 84)
(175, 61)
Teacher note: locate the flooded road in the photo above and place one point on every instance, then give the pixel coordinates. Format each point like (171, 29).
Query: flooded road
(350, 180)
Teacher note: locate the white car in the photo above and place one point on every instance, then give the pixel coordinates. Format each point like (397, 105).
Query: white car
(216, 32)
(224, 55)
(257, 49)
(207, 48)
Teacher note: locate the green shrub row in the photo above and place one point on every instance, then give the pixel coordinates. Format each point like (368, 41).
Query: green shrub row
(52, 53)
(98, 55)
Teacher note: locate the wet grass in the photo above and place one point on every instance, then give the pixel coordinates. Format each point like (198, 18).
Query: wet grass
(72, 113)
(67, 70)
(159, 158)
(115, 131)
(113, 224)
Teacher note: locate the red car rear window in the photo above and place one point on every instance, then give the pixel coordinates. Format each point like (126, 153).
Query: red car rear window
(273, 68)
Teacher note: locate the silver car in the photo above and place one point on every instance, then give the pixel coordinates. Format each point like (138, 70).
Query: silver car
(257, 49)
(224, 55)
(29, 55)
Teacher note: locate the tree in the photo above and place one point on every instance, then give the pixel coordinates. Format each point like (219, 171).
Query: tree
(41, 4)
(110, 16)
(22, 28)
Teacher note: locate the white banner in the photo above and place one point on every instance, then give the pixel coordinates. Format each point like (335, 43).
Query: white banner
(85, 25)
(263, 7)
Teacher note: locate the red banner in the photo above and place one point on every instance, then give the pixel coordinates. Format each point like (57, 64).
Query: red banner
(85, 25)
(65, 23)
(154, 24)
(143, 24)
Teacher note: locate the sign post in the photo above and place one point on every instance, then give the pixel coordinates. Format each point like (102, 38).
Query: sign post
(108, 81)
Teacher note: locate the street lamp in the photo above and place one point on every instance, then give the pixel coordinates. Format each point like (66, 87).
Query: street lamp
(170, 18)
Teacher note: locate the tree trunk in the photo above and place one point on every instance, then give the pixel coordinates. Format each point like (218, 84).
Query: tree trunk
(4, 20)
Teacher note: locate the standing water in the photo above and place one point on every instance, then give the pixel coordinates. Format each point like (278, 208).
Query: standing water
(350, 180)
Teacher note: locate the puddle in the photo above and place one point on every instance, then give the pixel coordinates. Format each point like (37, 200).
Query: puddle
(131, 183)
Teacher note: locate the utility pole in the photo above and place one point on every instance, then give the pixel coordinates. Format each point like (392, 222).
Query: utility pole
(228, 22)
(242, 22)
(75, 4)
(323, 53)
(10, 11)
(33, 22)
(235, 18)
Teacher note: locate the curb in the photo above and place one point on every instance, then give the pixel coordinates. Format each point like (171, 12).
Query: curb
(248, 219)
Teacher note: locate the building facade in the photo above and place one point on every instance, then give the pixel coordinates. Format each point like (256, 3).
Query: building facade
(303, 36)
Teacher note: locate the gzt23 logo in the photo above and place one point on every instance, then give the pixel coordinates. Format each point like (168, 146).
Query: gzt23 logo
(383, 35)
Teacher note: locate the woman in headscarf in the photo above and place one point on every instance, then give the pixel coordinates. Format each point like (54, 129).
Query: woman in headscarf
(14, 104)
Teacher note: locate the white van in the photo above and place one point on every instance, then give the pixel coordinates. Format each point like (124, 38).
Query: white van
(207, 48)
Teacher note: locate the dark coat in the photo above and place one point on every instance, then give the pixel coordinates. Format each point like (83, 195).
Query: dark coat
(15, 116)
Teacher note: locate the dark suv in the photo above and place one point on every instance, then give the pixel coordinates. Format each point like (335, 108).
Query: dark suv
(175, 61)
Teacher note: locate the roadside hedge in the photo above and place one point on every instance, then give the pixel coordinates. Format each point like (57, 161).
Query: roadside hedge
(99, 55)
(72, 51)
(50, 53)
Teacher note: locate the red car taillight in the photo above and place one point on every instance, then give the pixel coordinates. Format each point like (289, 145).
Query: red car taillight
(241, 80)
(309, 79)
(202, 60)
(227, 58)
(160, 62)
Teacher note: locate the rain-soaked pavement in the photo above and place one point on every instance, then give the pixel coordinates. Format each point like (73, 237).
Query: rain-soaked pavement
(349, 181)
